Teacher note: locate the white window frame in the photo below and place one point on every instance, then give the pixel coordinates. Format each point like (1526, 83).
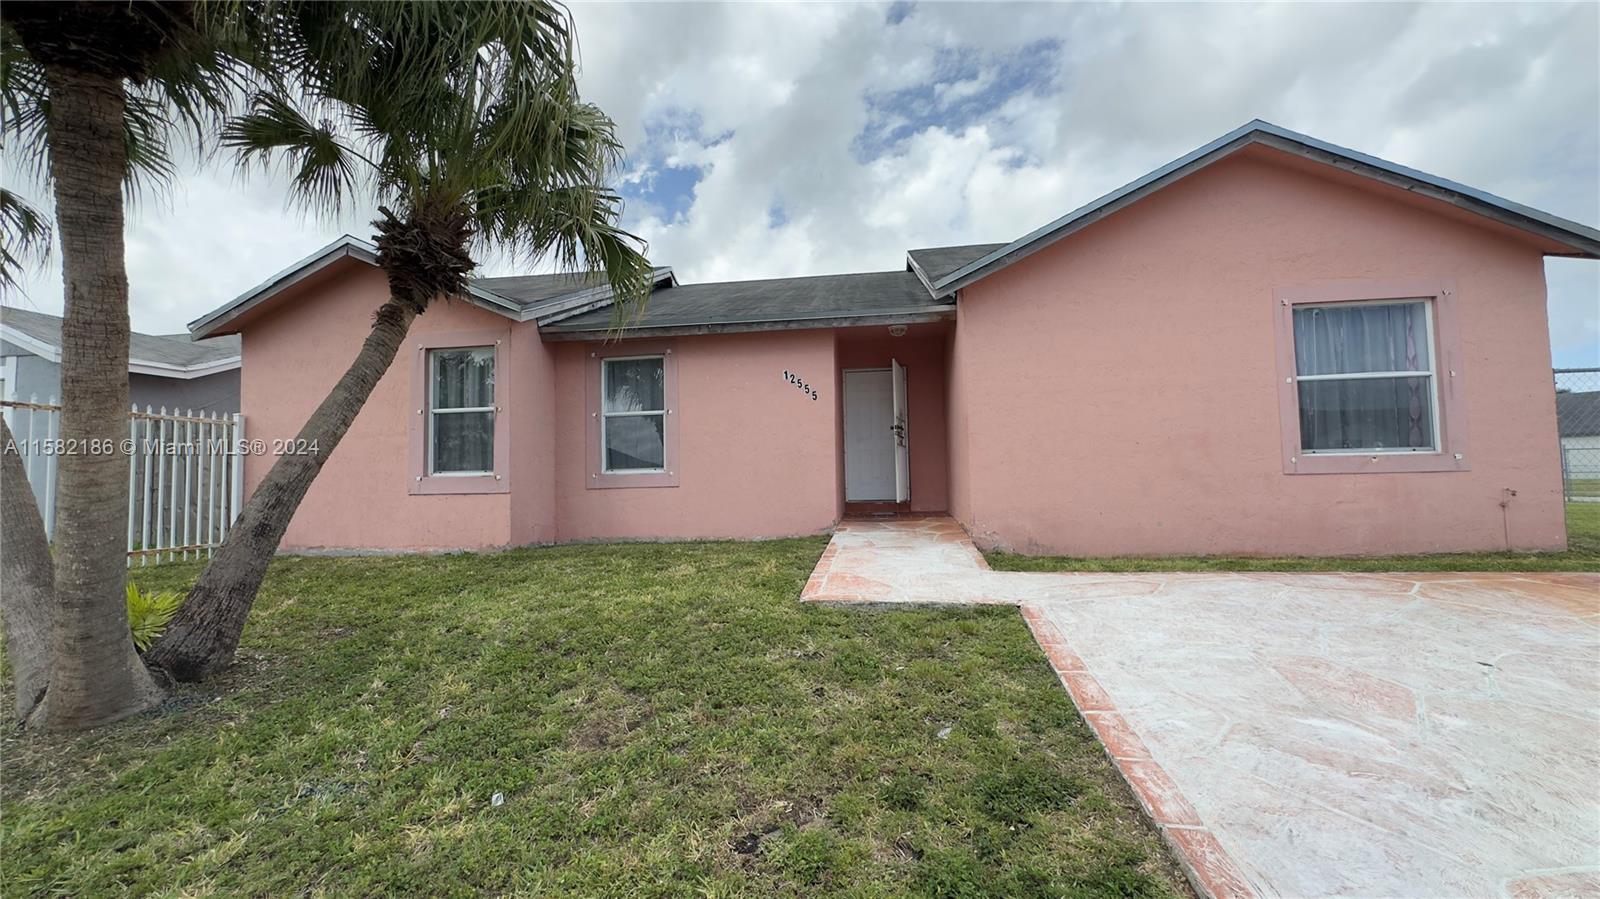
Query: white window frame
(493, 410)
(1431, 373)
(605, 417)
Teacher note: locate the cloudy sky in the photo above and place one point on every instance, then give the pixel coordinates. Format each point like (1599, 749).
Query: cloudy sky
(769, 140)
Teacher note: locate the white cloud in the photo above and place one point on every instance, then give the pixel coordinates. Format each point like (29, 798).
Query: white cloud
(1505, 98)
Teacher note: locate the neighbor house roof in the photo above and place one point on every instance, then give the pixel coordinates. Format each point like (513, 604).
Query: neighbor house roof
(1575, 239)
(539, 298)
(816, 301)
(1578, 414)
(166, 356)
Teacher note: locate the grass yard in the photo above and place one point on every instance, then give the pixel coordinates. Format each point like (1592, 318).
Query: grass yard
(659, 720)
(1583, 554)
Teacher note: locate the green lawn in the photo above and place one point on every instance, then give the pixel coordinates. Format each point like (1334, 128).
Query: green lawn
(1583, 554)
(660, 719)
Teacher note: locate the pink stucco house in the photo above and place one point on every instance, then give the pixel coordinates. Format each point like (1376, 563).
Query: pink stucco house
(1270, 345)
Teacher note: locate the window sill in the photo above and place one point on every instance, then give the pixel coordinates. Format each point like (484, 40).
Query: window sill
(1373, 463)
(442, 485)
(599, 480)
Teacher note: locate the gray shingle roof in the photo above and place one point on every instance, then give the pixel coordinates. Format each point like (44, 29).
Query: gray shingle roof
(1578, 414)
(818, 297)
(536, 295)
(177, 350)
(531, 290)
(937, 262)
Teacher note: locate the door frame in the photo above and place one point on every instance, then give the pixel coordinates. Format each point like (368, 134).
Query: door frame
(844, 461)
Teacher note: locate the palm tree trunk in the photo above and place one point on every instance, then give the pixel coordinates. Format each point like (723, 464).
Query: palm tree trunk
(204, 634)
(95, 673)
(27, 587)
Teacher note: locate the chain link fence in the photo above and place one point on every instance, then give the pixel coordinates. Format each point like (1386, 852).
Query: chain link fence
(1578, 419)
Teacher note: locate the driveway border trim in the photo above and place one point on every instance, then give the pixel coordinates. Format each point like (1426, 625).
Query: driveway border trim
(1211, 871)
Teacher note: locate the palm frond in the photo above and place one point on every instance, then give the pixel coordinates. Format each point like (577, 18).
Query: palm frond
(24, 106)
(25, 235)
(323, 168)
(468, 111)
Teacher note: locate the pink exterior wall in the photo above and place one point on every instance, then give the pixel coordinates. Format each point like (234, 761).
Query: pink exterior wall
(757, 457)
(293, 356)
(533, 440)
(958, 447)
(1116, 393)
(922, 352)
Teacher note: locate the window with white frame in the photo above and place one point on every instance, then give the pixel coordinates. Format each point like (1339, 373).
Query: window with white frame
(461, 411)
(633, 414)
(1366, 378)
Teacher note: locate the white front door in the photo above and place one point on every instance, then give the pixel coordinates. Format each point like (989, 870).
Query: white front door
(869, 439)
(902, 452)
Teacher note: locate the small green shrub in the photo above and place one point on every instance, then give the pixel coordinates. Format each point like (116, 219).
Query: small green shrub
(148, 614)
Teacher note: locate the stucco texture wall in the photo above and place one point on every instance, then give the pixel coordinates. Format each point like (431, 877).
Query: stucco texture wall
(756, 456)
(295, 354)
(1116, 393)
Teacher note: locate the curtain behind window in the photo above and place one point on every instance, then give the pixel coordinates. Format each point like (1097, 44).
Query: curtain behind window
(1379, 414)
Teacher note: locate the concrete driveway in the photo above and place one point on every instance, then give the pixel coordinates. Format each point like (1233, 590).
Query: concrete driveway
(1316, 734)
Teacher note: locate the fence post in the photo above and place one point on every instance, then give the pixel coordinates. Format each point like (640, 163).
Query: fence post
(236, 496)
(147, 451)
(52, 429)
(133, 471)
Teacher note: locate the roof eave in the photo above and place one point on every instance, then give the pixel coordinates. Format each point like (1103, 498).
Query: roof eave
(916, 269)
(590, 299)
(183, 372)
(136, 366)
(216, 321)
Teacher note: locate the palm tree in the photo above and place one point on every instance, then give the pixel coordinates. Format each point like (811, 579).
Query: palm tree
(464, 120)
(90, 91)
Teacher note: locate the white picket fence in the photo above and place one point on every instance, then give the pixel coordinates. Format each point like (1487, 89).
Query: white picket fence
(185, 475)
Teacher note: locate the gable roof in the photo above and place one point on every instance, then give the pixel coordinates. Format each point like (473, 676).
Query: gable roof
(162, 355)
(523, 298)
(1580, 240)
(816, 301)
(934, 263)
(1578, 414)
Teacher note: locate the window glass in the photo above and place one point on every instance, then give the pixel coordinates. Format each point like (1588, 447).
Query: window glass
(1367, 337)
(635, 385)
(461, 416)
(1370, 414)
(635, 442)
(464, 378)
(1365, 377)
(633, 417)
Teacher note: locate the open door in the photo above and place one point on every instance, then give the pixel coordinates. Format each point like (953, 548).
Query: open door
(902, 454)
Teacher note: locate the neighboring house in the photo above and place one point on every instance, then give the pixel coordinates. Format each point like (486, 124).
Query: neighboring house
(172, 370)
(1270, 345)
(1579, 418)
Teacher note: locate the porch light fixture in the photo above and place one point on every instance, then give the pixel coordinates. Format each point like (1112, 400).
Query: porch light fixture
(897, 330)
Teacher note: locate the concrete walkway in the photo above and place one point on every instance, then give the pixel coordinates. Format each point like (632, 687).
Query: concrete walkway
(1311, 734)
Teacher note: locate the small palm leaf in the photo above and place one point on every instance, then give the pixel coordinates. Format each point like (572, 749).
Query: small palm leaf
(149, 613)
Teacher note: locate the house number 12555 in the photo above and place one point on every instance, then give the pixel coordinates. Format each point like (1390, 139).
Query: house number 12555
(804, 388)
